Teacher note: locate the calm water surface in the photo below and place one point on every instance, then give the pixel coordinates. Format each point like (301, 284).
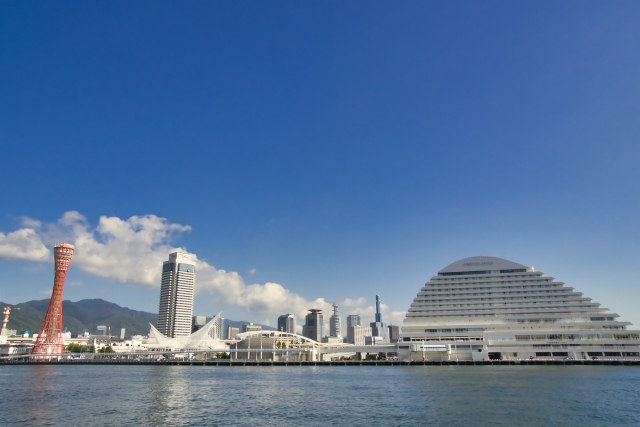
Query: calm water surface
(323, 395)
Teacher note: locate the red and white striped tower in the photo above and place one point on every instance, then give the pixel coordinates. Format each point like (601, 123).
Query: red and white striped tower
(50, 338)
(7, 312)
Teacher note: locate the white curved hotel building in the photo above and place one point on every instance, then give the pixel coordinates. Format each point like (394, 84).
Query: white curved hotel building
(490, 308)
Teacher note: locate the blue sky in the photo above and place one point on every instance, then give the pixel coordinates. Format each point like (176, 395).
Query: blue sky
(338, 150)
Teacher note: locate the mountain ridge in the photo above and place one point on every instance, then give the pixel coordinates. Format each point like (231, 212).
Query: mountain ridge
(86, 315)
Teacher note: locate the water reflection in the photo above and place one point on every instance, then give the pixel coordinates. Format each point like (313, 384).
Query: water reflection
(169, 394)
(42, 384)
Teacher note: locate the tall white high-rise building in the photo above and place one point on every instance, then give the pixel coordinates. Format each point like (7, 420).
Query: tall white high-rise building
(176, 295)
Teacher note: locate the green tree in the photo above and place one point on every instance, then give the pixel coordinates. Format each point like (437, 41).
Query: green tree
(79, 348)
(106, 349)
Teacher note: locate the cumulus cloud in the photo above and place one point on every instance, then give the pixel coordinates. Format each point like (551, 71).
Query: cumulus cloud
(23, 244)
(126, 250)
(30, 222)
(131, 251)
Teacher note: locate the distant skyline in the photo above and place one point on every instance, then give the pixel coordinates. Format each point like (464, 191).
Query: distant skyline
(316, 152)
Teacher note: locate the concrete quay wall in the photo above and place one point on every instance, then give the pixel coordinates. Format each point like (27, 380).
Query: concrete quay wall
(227, 362)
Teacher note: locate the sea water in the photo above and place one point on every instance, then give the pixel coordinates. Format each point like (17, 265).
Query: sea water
(77, 395)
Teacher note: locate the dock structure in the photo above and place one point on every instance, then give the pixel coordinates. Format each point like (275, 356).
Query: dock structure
(253, 362)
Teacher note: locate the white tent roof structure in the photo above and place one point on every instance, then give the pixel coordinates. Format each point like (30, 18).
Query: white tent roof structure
(206, 337)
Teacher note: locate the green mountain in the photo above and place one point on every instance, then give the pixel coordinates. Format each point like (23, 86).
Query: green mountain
(86, 315)
(82, 315)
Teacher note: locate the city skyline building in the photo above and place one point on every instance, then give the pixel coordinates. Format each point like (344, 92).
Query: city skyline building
(177, 288)
(378, 328)
(223, 328)
(394, 333)
(360, 333)
(198, 322)
(353, 320)
(334, 322)
(232, 332)
(491, 308)
(313, 327)
(287, 323)
(250, 328)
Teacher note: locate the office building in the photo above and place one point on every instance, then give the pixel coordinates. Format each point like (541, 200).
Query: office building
(373, 340)
(223, 329)
(490, 308)
(360, 333)
(353, 320)
(394, 333)
(102, 330)
(122, 333)
(250, 328)
(313, 327)
(176, 295)
(378, 328)
(198, 322)
(232, 332)
(334, 322)
(287, 323)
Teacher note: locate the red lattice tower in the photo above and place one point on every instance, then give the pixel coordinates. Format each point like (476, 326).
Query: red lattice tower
(50, 338)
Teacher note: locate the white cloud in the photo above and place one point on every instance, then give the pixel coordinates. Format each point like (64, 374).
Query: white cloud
(252, 271)
(133, 250)
(127, 250)
(30, 222)
(354, 303)
(46, 293)
(23, 244)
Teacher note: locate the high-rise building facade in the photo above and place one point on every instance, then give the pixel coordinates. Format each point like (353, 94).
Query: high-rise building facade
(378, 328)
(232, 332)
(287, 323)
(197, 323)
(176, 295)
(334, 322)
(313, 327)
(394, 333)
(353, 320)
(250, 328)
(359, 334)
(223, 329)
